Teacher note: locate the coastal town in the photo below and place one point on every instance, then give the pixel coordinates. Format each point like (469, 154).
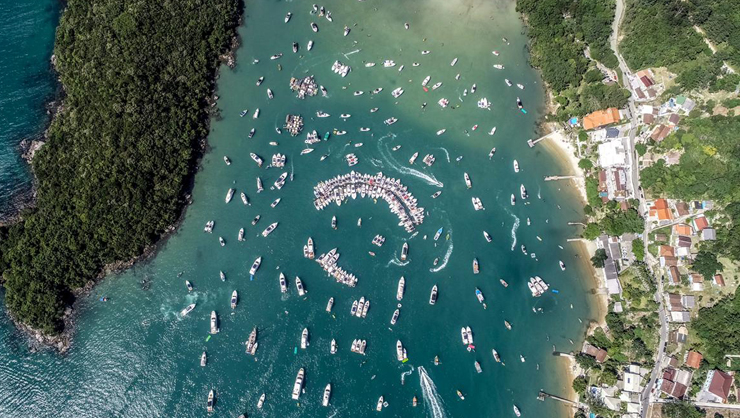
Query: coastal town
(660, 278)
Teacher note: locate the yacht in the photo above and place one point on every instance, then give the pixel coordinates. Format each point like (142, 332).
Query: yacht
(203, 359)
(330, 304)
(260, 80)
(433, 295)
(214, 323)
(476, 267)
(479, 295)
(309, 46)
(486, 236)
(334, 222)
(308, 250)
(255, 266)
(261, 401)
(327, 395)
(209, 404)
(187, 309)
(413, 158)
(333, 349)
(516, 166)
(400, 352)
(288, 16)
(360, 307)
(245, 199)
(275, 202)
(426, 81)
(256, 158)
(467, 180)
(255, 220)
(365, 308)
(404, 251)
(209, 226)
(269, 229)
(252, 343)
(394, 318)
(379, 406)
(397, 92)
(283, 284)
(229, 195)
(298, 385)
(299, 286)
(522, 191)
(452, 64)
(436, 194)
(307, 151)
(346, 31)
(491, 153)
(477, 204)
(390, 121)
(189, 285)
(314, 27)
(280, 182)
(234, 300)
(304, 339)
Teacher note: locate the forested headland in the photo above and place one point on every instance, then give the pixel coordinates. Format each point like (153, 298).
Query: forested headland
(114, 172)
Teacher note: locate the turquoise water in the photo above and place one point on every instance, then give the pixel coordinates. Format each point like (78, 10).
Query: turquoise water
(134, 356)
(26, 84)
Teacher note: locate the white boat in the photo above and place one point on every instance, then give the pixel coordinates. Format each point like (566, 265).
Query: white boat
(256, 114)
(537, 286)
(397, 92)
(479, 296)
(513, 199)
(234, 300)
(359, 93)
(330, 304)
(426, 81)
(394, 318)
(436, 194)
(245, 199)
(437, 85)
(256, 158)
(306, 151)
(522, 191)
(255, 266)
(508, 83)
(261, 401)
(214, 323)
(275, 202)
(443, 102)
(404, 251)
(353, 309)
(495, 355)
(364, 129)
(222, 276)
(345, 115)
(486, 236)
(229, 195)
(283, 284)
(401, 288)
(299, 286)
(491, 153)
(346, 30)
(492, 131)
(365, 308)
(425, 52)
(298, 385)
(244, 112)
(452, 64)
(203, 359)
(562, 265)
(477, 204)
(288, 16)
(389, 63)
(521, 86)
(314, 27)
(468, 183)
(441, 131)
(327, 395)
(259, 185)
(390, 121)
(400, 68)
(321, 114)
(227, 160)
(360, 307)
(464, 336)
(400, 351)
(369, 64)
(433, 295)
(516, 166)
(269, 229)
(304, 339)
(309, 46)
(517, 412)
(189, 285)
(187, 309)
(473, 88)
(221, 241)
(498, 66)
(379, 406)
(260, 80)
(333, 349)
(209, 404)
(413, 158)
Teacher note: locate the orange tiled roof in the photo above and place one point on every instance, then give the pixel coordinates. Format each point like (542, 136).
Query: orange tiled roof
(694, 359)
(601, 118)
(683, 229)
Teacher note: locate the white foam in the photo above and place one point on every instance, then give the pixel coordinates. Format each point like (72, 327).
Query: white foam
(445, 259)
(429, 393)
(429, 179)
(513, 230)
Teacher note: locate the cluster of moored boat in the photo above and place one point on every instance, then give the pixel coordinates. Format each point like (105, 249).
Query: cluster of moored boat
(328, 262)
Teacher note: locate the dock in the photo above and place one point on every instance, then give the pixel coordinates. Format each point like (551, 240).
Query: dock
(533, 142)
(551, 178)
(544, 395)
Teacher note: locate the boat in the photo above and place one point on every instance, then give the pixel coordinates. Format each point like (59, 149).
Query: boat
(426, 81)
(521, 358)
(507, 325)
(358, 93)
(433, 295)
(513, 199)
(473, 88)
(477, 204)
(255, 266)
(425, 52)
(436, 194)
(437, 85)
(307, 151)
(333, 349)
(245, 199)
(261, 401)
(369, 64)
(255, 220)
(222, 276)
(400, 68)
(464, 336)
(521, 86)
(288, 16)
(487, 236)
(309, 46)
(256, 159)
(491, 153)
(498, 66)
(209, 404)
(244, 112)
(397, 92)
(308, 250)
(389, 63)
(503, 283)
(436, 261)
(441, 131)
(516, 166)
(269, 229)
(404, 251)
(334, 222)
(260, 80)
(562, 265)
(508, 83)
(476, 269)
(360, 307)
(396, 148)
(495, 355)
(252, 343)
(413, 158)
(280, 182)
(321, 114)
(227, 160)
(221, 241)
(345, 115)
(416, 64)
(214, 323)
(365, 308)
(467, 180)
(436, 360)
(314, 27)
(401, 288)
(276, 56)
(187, 309)
(460, 395)
(475, 127)
(359, 222)
(295, 47)
(516, 411)
(327, 135)
(283, 284)
(522, 191)
(452, 64)
(328, 16)
(327, 395)
(492, 131)
(275, 202)
(414, 402)
(443, 103)
(400, 352)
(373, 110)
(234, 300)
(478, 368)
(519, 103)
(394, 318)
(439, 232)
(304, 338)
(479, 295)
(330, 304)
(229, 195)
(379, 406)
(188, 285)
(298, 385)
(299, 286)
(537, 286)
(353, 310)
(390, 121)
(346, 31)
(259, 185)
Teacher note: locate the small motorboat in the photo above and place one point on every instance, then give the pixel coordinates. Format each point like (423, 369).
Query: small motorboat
(346, 30)
(314, 27)
(261, 401)
(460, 395)
(288, 16)
(187, 309)
(189, 285)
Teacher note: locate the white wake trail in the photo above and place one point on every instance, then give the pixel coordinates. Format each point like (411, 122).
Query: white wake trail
(429, 179)
(432, 400)
(445, 259)
(513, 230)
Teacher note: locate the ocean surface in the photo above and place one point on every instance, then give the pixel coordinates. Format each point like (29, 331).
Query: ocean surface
(135, 356)
(27, 83)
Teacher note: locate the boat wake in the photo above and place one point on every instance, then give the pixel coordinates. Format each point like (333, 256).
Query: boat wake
(406, 373)
(429, 179)
(431, 397)
(447, 154)
(376, 162)
(445, 259)
(396, 262)
(513, 230)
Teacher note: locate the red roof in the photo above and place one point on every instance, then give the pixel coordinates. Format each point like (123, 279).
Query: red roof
(720, 384)
(719, 280)
(701, 223)
(694, 359)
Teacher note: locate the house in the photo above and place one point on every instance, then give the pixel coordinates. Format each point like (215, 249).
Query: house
(613, 286)
(683, 241)
(660, 210)
(668, 261)
(660, 132)
(708, 234)
(674, 275)
(612, 153)
(631, 382)
(700, 222)
(682, 209)
(683, 251)
(697, 282)
(718, 280)
(688, 301)
(693, 359)
(716, 387)
(661, 237)
(683, 229)
(601, 118)
(674, 119)
(685, 104)
(598, 353)
(680, 316)
(666, 251)
(673, 389)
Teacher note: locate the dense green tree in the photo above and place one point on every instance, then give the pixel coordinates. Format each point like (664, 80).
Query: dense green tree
(718, 328)
(706, 264)
(599, 258)
(585, 164)
(638, 249)
(580, 384)
(681, 409)
(592, 231)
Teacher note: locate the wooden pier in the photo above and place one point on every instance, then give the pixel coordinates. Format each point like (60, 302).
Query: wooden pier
(551, 178)
(544, 395)
(533, 142)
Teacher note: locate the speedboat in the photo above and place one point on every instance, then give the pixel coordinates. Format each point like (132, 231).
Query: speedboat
(244, 112)
(322, 114)
(221, 241)
(269, 229)
(486, 236)
(436, 194)
(521, 86)
(468, 183)
(330, 304)
(426, 81)
(460, 395)
(229, 195)
(283, 284)
(276, 56)
(516, 411)
(328, 16)
(222, 276)
(345, 116)
(562, 265)
(492, 131)
(275, 203)
(397, 92)
(400, 68)
(298, 385)
(516, 166)
(490, 154)
(359, 93)
(304, 339)
(433, 295)
(288, 16)
(334, 222)
(476, 267)
(406, 25)
(415, 64)
(256, 114)
(508, 83)
(396, 148)
(495, 355)
(306, 151)
(255, 266)
(214, 323)
(314, 27)
(346, 30)
(299, 286)
(364, 129)
(441, 131)
(437, 235)
(452, 64)
(256, 158)
(240, 236)
(327, 395)
(390, 121)
(503, 283)
(187, 309)
(507, 325)
(379, 406)
(400, 351)
(260, 80)
(353, 309)
(437, 85)
(425, 52)
(513, 199)
(369, 64)
(522, 191)
(252, 131)
(373, 110)
(401, 288)
(309, 46)
(498, 66)
(378, 90)
(203, 359)
(333, 349)
(227, 160)
(189, 285)
(295, 47)
(479, 295)
(404, 251)
(394, 318)
(413, 158)
(261, 401)
(475, 127)
(234, 300)
(269, 94)
(519, 103)
(496, 53)
(255, 220)
(389, 63)
(209, 404)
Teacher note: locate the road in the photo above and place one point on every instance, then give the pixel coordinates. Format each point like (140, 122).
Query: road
(645, 398)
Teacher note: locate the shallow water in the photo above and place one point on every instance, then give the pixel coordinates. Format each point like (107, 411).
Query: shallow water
(134, 356)
(26, 83)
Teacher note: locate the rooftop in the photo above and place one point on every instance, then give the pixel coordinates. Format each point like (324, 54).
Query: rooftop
(601, 118)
